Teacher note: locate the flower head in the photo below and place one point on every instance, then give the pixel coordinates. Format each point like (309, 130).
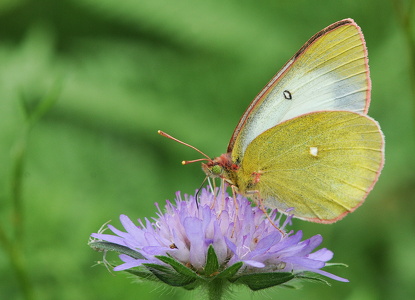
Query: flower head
(217, 238)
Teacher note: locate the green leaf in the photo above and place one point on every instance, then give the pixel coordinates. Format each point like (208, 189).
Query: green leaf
(259, 281)
(212, 264)
(107, 246)
(192, 286)
(230, 272)
(142, 273)
(291, 286)
(169, 275)
(179, 267)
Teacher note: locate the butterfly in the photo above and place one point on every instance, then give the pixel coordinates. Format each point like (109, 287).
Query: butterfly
(305, 143)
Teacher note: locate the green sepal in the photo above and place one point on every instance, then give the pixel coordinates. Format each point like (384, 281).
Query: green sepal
(336, 265)
(169, 275)
(230, 272)
(310, 276)
(178, 267)
(212, 264)
(259, 281)
(107, 246)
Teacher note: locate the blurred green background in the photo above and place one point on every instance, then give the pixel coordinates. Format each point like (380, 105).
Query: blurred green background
(86, 84)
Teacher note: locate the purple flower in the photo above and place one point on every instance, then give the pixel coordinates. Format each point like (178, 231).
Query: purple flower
(220, 237)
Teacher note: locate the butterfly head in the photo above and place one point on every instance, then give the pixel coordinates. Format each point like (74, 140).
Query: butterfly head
(212, 169)
(220, 167)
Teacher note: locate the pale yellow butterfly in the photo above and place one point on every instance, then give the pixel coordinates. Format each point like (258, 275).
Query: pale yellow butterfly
(305, 142)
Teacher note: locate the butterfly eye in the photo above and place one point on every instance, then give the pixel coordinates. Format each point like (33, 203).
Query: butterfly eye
(216, 170)
(287, 95)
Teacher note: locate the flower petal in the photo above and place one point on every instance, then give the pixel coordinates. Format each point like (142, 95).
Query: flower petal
(193, 228)
(244, 235)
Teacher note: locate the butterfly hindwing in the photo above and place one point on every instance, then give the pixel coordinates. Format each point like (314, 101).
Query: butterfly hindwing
(323, 164)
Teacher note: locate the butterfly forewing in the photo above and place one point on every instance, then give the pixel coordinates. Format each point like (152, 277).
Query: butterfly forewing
(330, 72)
(323, 164)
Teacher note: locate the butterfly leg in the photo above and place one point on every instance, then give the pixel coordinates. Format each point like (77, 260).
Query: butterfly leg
(260, 203)
(262, 207)
(214, 192)
(234, 190)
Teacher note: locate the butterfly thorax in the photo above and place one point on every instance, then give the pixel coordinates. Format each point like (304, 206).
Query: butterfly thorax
(222, 167)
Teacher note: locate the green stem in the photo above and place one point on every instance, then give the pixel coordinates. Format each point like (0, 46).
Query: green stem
(16, 260)
(16, 187)
(216, 289)
(14, 245)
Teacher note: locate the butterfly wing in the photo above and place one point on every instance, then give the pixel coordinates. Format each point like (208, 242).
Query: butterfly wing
(330, 72)
(323, 164)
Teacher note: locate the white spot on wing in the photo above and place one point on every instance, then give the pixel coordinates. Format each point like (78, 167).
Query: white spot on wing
(314, 151)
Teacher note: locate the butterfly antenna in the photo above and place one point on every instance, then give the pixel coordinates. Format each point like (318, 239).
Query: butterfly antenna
(185, 162)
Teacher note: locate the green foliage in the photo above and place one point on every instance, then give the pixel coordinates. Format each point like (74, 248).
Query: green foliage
(212, 279)
(261, 281)
(99, 78)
